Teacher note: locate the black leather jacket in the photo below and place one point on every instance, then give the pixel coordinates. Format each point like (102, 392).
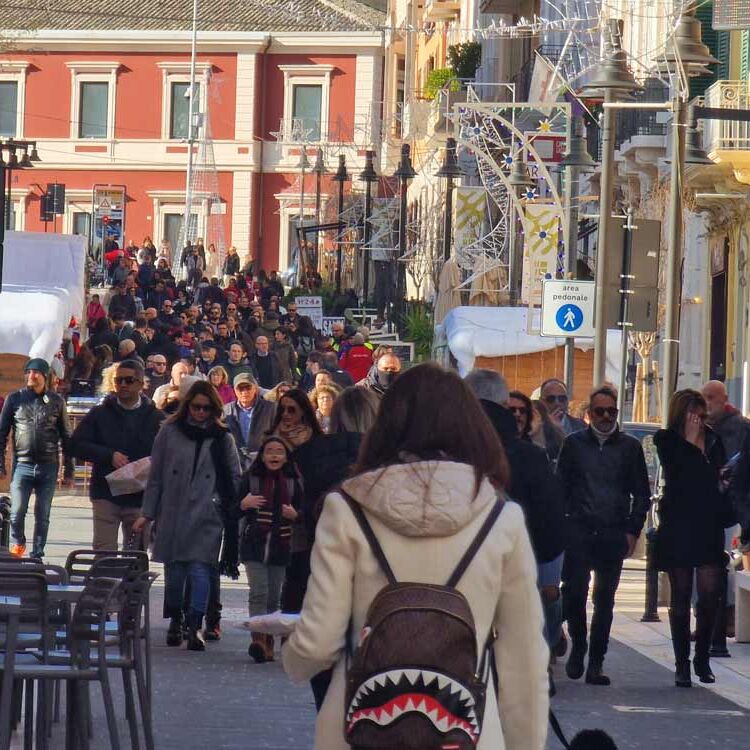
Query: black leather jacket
(605, 486)
(39, 423)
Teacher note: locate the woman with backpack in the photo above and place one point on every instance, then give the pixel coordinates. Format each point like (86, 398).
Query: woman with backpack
(411, 664)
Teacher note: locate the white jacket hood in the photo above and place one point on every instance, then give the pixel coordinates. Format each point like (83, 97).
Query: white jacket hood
(422, 498)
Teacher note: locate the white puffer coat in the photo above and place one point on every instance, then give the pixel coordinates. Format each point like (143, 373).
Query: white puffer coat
(425, 516)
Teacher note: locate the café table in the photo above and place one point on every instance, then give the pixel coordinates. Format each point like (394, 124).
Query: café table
(10, 609)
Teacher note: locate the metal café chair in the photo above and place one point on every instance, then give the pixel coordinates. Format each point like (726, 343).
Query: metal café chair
(87, 663)
(31, 589)
(132, 596)
(80, 562)
(10, 610)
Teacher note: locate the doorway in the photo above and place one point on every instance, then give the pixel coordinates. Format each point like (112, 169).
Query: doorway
(173, 232)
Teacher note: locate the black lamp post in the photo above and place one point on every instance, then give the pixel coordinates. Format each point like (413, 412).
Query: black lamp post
(319, 169)
(29, 155)
(368, 176)
(450, 170)
(341, 177)
(405, 172)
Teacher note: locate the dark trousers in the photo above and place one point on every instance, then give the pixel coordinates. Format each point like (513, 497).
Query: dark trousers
(576, 574)
(295, 583)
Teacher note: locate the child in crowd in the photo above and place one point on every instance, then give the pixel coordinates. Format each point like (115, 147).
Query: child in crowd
(271, 494)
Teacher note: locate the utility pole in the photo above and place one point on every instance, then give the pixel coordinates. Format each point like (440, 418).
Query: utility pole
(191, 137)
(671, 340)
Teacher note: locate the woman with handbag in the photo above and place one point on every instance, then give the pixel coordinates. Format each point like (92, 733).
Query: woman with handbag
(693, 513)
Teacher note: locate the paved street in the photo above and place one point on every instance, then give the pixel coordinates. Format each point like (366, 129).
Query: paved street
(221, 701)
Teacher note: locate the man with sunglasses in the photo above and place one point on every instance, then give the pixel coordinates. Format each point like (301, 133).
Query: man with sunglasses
(606, 495)
(554, 394)
(111, 435)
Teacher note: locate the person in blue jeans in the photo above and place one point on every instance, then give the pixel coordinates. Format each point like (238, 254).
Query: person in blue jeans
(192, 487)
(39, 422)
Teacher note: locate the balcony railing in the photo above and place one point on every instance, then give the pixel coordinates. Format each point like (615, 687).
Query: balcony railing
(719, 135)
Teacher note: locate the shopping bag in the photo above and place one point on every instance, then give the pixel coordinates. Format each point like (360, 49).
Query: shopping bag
(130, 478)
(274, 623)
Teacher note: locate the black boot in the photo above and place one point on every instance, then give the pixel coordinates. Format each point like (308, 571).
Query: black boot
(174, 631)
(679, 625)
(705, 617)
(195, 640)
(594, 674)
(574, 666)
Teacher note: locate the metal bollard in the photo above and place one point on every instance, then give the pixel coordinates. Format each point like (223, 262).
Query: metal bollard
(719, 638)
(651, 612)
(4, 521)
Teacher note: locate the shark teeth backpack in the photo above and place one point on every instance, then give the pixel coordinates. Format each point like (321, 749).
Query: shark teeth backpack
(415, 680)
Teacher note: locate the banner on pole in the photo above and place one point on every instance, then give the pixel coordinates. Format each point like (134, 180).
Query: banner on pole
(541, 238)
(470, 202)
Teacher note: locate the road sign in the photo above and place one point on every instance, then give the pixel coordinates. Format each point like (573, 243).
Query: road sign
(568, 308)
(312, 307)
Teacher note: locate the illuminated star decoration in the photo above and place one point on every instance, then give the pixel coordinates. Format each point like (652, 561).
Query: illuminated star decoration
(530, 193)
(545, 126)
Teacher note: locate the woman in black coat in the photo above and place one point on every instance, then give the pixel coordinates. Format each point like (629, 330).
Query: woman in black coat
(693, 513)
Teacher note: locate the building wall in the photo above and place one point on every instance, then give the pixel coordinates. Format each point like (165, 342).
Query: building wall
(246, 102)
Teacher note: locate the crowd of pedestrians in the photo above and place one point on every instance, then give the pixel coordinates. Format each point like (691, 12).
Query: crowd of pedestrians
(330, 476)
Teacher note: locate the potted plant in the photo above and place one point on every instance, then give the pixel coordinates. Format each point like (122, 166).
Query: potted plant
(437, 80)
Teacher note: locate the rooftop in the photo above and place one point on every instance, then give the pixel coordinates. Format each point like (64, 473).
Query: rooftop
(174, 15)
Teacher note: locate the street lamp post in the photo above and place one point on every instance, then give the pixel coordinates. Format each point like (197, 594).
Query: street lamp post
(574, 162)
(319, 169)
(404, 173)
(11, 147)
(369, 177)
(341, 177)
(611, 80)
(451, 170)
(521, 182)
(303, 165)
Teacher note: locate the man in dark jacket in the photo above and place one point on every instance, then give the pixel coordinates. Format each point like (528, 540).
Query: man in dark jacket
(39, 421)
(265, 364)
(249, 417)
(382, 374)
(554, 393)
(606, 495)
(534, 487)
(112, 435)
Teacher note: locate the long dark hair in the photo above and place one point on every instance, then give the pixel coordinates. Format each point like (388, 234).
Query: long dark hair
(680, 404)
(200, 388)
(520, 396)
(430, 413)
(308, 413)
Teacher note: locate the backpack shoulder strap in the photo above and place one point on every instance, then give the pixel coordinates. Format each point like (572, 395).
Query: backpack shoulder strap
(372, 540)
(470, 553)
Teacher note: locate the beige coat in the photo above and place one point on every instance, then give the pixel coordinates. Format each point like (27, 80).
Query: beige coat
(425, 516)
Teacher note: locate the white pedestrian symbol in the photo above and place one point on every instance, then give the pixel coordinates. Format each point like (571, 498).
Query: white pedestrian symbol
(569, 321)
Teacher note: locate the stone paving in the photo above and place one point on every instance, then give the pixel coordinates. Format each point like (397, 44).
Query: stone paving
(220, 700)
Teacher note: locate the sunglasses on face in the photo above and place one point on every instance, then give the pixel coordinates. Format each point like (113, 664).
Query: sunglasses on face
(201, 407)
(559, 399)
(289, 410)
(600, 411)
(126, 380)
(519, 410)
(160, 364)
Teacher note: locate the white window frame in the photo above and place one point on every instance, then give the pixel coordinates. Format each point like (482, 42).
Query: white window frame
(14, 71)
(92, 71)
(288, 210)
(307, 75)
(179, 72)
(173, 202)
(19, 201)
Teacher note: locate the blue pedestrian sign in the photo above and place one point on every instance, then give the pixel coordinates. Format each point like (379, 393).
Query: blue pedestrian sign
(569, 317)
(568, 308)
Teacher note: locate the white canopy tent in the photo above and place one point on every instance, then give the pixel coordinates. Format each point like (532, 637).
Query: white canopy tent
(43, 287)
(473, 332)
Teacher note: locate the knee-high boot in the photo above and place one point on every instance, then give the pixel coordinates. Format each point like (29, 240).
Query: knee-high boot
(679, 625)
(705, 617)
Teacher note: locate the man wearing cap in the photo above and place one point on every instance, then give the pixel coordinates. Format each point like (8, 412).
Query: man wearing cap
(39, 421)
(249, 417)
(117, 432)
